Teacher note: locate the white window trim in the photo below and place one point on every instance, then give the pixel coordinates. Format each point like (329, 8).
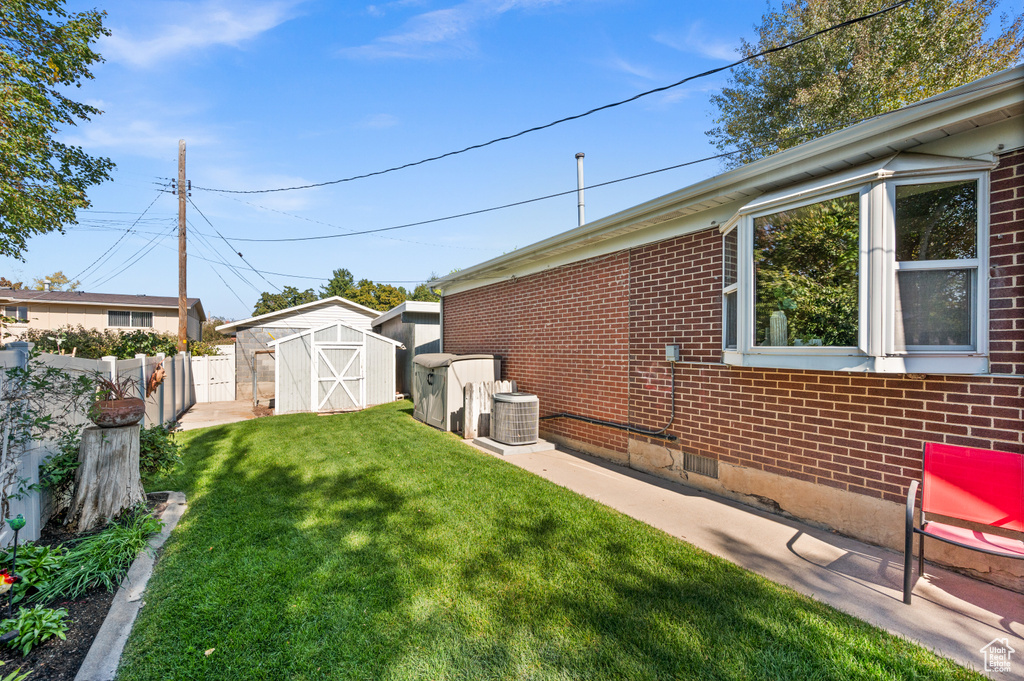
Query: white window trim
(875, 351)
(731, 288)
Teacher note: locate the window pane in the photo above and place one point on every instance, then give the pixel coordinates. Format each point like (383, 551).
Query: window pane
(806, 275)
(730, 243)
(936, 221)
(119, 318)
(935, 306)
(730, 320)
(142, 319)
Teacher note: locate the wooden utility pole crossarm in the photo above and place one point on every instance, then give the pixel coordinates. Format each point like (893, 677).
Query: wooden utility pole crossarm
(182, 293)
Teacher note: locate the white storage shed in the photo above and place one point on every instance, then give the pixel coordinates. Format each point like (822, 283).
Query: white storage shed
(335, 367)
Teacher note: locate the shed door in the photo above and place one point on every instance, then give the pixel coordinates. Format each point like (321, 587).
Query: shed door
(340, 377)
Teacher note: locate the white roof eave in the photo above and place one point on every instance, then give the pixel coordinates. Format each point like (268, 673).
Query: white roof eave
(278, 341)
(289, 310)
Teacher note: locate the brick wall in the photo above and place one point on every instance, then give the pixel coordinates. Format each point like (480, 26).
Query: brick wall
(561, 335)
(579, 334)
(1006, 259)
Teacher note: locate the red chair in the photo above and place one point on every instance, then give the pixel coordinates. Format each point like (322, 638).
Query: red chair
(975, 485)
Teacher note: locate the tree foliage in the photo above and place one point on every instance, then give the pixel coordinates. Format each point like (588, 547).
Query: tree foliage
(343, 283)
(834, 80)
(58, 282)
(43, 51)
(7, 283)
(289, 297)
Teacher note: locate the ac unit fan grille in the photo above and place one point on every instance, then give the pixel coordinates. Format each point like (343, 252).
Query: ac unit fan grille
(515, 418)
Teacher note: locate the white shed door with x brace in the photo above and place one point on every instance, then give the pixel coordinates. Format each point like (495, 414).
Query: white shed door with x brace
(340, 378)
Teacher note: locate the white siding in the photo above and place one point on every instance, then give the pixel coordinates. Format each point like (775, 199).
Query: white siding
(316, 316)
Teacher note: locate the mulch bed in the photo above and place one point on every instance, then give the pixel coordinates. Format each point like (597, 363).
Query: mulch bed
(58, 660)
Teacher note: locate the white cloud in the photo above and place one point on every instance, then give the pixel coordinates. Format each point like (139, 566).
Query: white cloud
(698, 40)
(211, 23)
(238, 179)
(378, 122)
(443, 32)
(140, 137)
(620, 64)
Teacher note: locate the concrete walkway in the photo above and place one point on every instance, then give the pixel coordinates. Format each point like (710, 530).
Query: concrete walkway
(951, 614)
(203, 414)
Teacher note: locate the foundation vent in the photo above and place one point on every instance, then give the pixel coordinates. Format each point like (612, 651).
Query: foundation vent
(701, 465)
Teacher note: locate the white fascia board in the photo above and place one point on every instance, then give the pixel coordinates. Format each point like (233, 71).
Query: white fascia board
(882, 135)
(295, 308)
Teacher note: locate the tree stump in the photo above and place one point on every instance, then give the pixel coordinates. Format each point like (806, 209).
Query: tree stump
(107, 480)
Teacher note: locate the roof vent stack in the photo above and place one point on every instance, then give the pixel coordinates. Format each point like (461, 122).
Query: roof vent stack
(579, 185)
(46, 285)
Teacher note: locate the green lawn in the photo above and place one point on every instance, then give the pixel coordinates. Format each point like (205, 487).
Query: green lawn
(369, 546)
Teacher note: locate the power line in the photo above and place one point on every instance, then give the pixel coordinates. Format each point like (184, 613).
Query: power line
(138, 255)
(230, 246)
(213, 249)
(110, 251)
(763, 53)
(214, 270)
(348, 229)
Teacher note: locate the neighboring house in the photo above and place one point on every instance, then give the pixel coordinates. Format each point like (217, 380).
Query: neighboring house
(253, 335)
(921, 340)
(417, 326)
(103, 311)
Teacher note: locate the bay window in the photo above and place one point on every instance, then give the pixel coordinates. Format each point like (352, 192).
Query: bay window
(881, 268)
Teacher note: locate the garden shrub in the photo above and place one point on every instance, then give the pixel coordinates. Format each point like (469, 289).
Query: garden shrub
(37, 565)
(102, 559)
(158, 452)
(94, 344)
(57, 472)
(34, 626)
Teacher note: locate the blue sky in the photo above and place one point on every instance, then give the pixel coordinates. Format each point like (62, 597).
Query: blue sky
(283, 93)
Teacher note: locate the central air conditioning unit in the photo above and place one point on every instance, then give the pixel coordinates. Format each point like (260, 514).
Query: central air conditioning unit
(515, 418)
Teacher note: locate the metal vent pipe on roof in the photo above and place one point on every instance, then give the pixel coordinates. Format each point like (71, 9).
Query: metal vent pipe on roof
(579, 185)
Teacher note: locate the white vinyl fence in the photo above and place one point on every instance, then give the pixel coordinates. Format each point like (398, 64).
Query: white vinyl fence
(214, 378)
(172, 398)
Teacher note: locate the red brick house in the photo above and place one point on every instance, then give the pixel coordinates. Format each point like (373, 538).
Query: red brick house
(836, 305)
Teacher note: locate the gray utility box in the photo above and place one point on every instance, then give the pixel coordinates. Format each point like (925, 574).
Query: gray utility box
(438, 384)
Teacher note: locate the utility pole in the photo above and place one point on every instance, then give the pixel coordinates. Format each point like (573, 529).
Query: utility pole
(182, 295)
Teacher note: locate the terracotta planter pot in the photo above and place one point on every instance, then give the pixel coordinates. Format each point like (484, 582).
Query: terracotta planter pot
(117, 413)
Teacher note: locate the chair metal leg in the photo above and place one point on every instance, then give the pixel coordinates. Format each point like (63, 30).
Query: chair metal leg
(920, 559)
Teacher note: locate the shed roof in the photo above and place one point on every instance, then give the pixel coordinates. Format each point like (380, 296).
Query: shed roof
(370, 313)
(304, 332)
(421, 306)
(989, 100)
(85, 298)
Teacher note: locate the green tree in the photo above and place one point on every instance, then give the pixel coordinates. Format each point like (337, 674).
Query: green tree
(212, 335)
(58, 282)
(342, 283)
(834, 80)
(43, 51)
(289, 297)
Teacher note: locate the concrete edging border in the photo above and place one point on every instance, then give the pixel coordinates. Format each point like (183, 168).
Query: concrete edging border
(101, 662)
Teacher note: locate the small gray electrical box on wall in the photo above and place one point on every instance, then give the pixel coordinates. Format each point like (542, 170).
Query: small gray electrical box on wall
(672, 353)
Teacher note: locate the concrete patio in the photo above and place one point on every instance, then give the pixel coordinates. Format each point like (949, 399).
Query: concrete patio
(951, 614)
(205, 414)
